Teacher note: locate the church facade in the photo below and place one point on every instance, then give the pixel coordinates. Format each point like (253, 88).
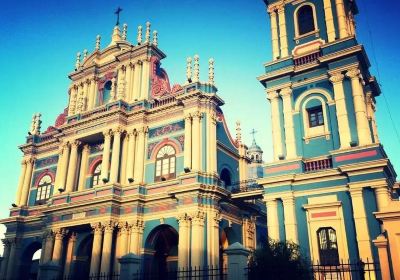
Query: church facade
(132, 165)
(330, 173)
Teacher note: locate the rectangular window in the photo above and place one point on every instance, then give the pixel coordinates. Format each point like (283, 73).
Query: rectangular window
(315, 116)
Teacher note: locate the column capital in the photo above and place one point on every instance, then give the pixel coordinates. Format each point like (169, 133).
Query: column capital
(60, 233)
(131, 132)
(6, 242)
(280, 7)
(117, 130)
(86, 148)
(137, 225)
(98, 228)
(188, 117)
(198, 217)
(286, 92)
(143, 130)
(272, 9)
(24, 161)
(73, 237)
(75, 144)
(183, 218)
(107, 133)
(356, 192)
(336, 78)
(109, 226)
(272, 95)
(124, 227)
(353, 73)
(196, 115)
(30, 160)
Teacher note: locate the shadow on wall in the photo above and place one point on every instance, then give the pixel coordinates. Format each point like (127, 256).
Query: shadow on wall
(2, 232)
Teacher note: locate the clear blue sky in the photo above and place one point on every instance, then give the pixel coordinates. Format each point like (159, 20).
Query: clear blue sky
(39, 41)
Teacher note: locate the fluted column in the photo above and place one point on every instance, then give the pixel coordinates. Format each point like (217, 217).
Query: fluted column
(6, 258)
(341, 110)
(273, 97)
(341, 15)
(70, 253)
(49, 246)
(140, 154)
(131, 155)
(64, 166)
(363, 129)
(72, 167)
(290, 140)
(361, 224)
(282, 32)
(272, 219)
(196, 142)
(84, 167)
(290, 219)
(105, 164)
(20, 183)
(96, 249)
(58, 245)
(330, 25)
(115, 155)
(187, 157)
(136, 237)
(274, 33)
(107, 246)
(136, 81)
(27, 182)
(197, 248)
(124, 239)
(184, 240)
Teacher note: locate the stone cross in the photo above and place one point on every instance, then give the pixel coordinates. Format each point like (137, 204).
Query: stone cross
(117, 12)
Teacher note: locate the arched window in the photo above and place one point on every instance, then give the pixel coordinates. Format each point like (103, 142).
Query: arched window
(43, 189)
(305, 20)
(327, 246)
(96, 175)
(107, 92)
(226, 177)
(165, 163)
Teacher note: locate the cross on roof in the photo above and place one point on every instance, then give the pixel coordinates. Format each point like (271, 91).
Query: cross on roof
(117, 12)
(253, 132)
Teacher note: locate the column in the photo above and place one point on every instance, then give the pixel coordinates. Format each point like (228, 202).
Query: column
(72, 167)
(341, 14)
(341, 110)
(274, 34)
(70, 254)
(58, 245)
(137, 228)
(131, 155)
(382, 195)
(106, 156)
(96, 249)
(273, 97)
(371, 116)
(197, 248)
(290, 218)
(121, 83)
(196, 148)
(116, 150)
(123, 247)
(27, 182)
(187, 152)
(73, 95)
(95, 90)
(136, 81)
(128, 82)
(290, 141)
(330, 25)
(59, 168)
(382, 244)
(140, 153)
(6, 257)
(91, 94)
(212, 153)
(20, 183)
(124, 156)
(107, 246)
(215, 218)
(84, 167)
(184, 240)
(64, 166)
(49, 245)
(272, 218)
(363, 129)
(282, 32)
(361, 224)
(13, 258)
(145, 80)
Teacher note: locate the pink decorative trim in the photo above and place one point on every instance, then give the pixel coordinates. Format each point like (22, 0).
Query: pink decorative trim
(82, 197)
(46, 172)
(104, 192)
(187, 200)
(94, 164)
(34, 212)
(127, 210)
(159, 79)
(103, 210)
(56, 218)
(323, 214)
(356, 156)
(282, 168)
(133, 191)
(14, 213)
(60, 200)
(188, 181)
(117, 192)
(156, 190)
(164, 142)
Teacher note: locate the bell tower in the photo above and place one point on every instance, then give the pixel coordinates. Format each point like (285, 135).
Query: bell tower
(329, 171)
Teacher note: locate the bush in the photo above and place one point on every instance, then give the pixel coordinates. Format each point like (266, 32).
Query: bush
(280, 261)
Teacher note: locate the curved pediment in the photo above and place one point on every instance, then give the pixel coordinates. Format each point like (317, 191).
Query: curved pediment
(107, 55)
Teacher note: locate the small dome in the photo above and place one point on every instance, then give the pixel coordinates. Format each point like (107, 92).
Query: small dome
(255, 153)
(254, 147)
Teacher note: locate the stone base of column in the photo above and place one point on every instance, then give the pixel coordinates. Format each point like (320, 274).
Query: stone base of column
(130, 266)
(49, 271)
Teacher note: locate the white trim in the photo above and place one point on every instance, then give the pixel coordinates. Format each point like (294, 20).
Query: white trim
(318, 131)
(296, 25)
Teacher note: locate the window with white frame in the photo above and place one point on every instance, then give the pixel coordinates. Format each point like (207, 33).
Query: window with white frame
(165, 163)
(96, 175)
(315, 118)
(305, 20)
(43, 189)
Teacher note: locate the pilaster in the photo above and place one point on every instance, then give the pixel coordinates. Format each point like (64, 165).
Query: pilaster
(290, 141)
(274, 33)
(84, 167)
(330, 25)
(27, 181)
(116, 150)
(107, 247)
(72, 167)
(140, 154)
(196, 142)
(131, 155)
(58, 245)
(105, 164)
(282, 31)
(98, 229)
(24, 163)
(197, 248)
(290, 218)
(273, 97)
(184, 240)
(188, 142)
(272, 218)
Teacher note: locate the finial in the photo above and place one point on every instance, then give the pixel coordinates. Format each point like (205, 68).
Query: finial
(117, 12)
(85, 53)
(124, 31)
(35, 125)
(253, 132)
(78, 61)
(211, 71)
(98, 38)
(189, 69)
(139, 34)
(155, 38)
(147, 39)
(196, 69)
(116, 36)
(238, 132)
